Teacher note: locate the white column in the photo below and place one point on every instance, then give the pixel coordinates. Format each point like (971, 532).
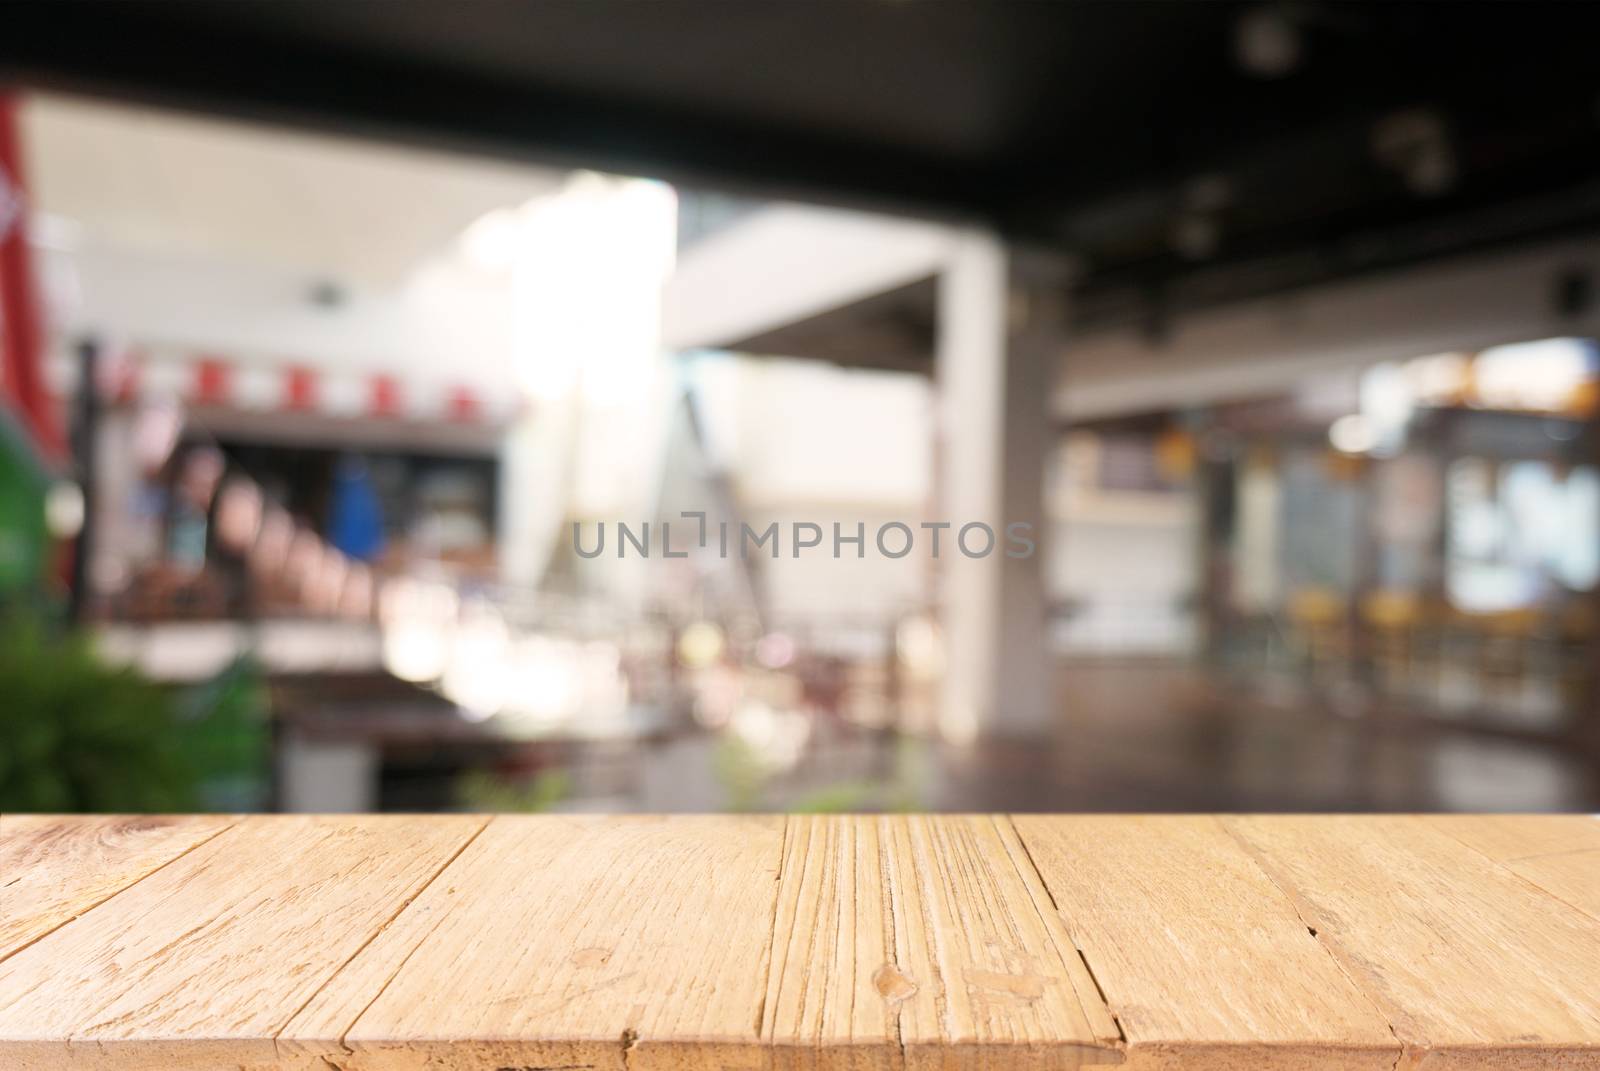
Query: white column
(998, 340)
(586, 279)
(536, 472)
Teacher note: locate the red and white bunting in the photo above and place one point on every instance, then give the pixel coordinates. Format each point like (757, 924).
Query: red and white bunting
(213, 380)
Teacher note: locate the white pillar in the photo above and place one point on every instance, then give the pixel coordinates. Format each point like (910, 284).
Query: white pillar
(536, 462)
(586, 279)
(998, 339)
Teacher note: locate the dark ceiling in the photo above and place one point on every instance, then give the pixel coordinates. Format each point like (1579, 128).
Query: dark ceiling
(1189, 150)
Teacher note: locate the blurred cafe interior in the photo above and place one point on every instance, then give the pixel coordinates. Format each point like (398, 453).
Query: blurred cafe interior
(335, 336)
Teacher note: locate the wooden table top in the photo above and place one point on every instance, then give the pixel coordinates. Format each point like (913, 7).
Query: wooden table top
(798, 944)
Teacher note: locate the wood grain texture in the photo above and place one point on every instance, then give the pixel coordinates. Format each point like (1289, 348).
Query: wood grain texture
(924, 943)
(570, 942)
(54, 868)
(1471, 965)
(1558, 853)
(906, 943)
(200, 964)
(1202, 959)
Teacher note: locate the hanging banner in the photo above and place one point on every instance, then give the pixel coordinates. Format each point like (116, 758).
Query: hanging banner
(21, 333)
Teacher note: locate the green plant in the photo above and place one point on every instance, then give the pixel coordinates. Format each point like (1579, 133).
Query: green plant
(740, 772)
(481, 790)
(226, 737)
(747, 780)
(79, 735)
(843, 797)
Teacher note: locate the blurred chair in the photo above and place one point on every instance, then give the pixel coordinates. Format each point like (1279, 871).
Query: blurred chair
(1320, 627)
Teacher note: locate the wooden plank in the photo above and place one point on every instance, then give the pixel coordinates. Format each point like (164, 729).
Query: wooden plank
(1508, 837)
(1472, 966)
(835, 988)
(917, 941)
(821, 943)
(567, 942)
(1201, 958)
(1558, 853)
(200, 964)
(53, 868)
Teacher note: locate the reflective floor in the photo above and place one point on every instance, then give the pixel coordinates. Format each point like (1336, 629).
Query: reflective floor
(1139, 735)
(1153, 737)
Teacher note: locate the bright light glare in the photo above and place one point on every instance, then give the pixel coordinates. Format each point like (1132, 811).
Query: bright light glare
(700, 645)
(1353, 434)
(587, 287)
(416, 651)
(492, 241)
(418, 620)
(1440, 379)
(545, 681)
(1388, 400)
(1541, 376)
(64, 509)
(479, 677)
(778, 738)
